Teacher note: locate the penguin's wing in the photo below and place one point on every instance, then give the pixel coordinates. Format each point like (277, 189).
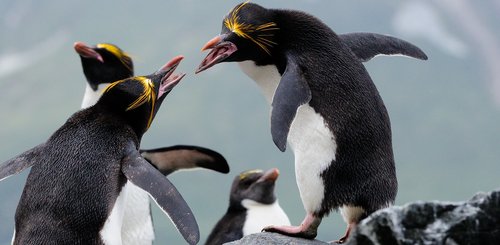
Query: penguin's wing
(292, 92)
(141, 173)
(366, 45)
(21, 162)
(173, 158)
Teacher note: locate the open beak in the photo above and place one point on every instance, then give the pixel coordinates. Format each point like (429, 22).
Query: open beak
(169, 80)
(220, 50)
(87, 52)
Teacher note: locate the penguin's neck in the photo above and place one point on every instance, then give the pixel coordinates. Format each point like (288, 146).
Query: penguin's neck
(267, 77)
(90, 97)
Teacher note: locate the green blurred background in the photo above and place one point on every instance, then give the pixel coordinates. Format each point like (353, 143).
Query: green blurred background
(445, 112)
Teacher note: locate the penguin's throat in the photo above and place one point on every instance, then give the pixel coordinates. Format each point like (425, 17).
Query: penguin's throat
(169, 82)
(266, 77)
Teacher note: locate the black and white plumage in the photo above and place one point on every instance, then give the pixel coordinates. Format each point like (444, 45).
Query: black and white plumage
(323, 103)
(103, 64)
(252, 207)
(74, 192)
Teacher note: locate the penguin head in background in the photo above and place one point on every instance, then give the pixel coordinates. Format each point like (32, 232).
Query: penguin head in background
(104, 63)
(255, 185)
(248, 33)
(137, 99)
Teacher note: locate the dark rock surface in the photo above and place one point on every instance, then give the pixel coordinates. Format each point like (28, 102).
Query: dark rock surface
(476, 221)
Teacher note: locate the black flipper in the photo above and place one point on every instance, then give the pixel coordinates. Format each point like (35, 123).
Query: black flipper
(366, 45)
(292, 92)
(173, 158)
(21, 162)
(141, 173)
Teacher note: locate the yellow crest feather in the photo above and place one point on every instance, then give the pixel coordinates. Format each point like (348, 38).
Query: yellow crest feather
(260, 34)
(249, 172)
(148, 95)
(120, 54)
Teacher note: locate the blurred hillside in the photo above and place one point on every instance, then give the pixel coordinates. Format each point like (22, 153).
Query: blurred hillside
(445, 112)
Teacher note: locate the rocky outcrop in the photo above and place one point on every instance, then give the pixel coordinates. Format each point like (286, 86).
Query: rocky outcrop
(476, 221)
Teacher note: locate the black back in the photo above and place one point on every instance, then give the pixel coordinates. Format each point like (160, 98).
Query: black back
(80, 169)
(229, 228)
(254, 185)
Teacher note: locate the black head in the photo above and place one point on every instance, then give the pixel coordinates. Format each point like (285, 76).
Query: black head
(255, 185)
(104, 63)
(248, 33)
(137, 99)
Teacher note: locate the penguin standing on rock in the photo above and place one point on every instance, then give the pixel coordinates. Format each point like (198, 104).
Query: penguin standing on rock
(252, 206)
(103, 64)
(323, 103)
(76, 188)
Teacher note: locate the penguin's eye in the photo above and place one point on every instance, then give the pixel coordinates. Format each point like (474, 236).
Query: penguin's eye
(247, 182)
(250, 180)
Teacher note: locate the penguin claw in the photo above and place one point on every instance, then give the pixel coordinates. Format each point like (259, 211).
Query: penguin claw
(347, 233)
(340, 240)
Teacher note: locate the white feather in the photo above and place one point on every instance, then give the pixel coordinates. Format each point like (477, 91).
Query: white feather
(311, 140)
(91, 97)
(111, 231)
(351, 214)
(314, 148)
(13, 237)
(266, 77)
(137, 228)
(261, 215)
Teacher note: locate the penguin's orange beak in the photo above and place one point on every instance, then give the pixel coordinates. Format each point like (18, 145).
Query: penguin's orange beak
(220, 50)
(211, 44)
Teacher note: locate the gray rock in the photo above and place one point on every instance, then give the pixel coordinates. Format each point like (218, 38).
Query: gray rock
(476, 221)
(274, 238)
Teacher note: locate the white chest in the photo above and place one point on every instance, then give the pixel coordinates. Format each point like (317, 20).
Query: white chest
(137, 228)
(111, 231)
(91, 97)
(314, 148)
(261, 215)
(312, 142)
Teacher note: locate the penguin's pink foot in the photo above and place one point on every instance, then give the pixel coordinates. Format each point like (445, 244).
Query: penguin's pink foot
(293, 231)
(308, 228)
